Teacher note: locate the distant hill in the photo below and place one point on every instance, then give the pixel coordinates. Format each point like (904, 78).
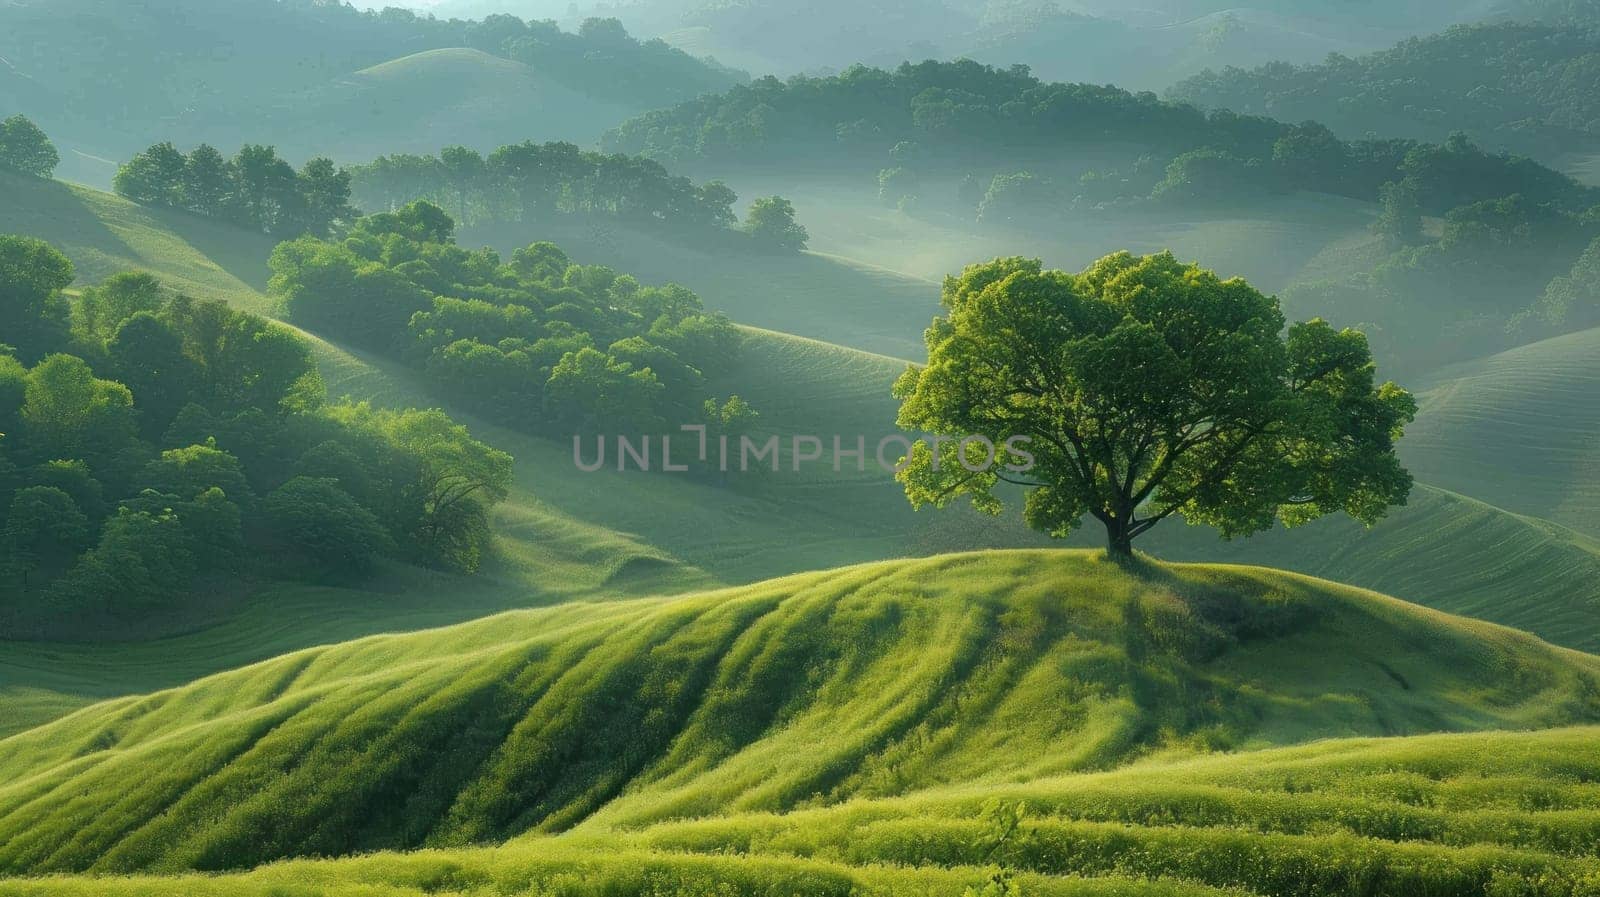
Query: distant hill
(1145, 52)
(298, 75)
(1522, 87)
(437, 98)
(808, 691)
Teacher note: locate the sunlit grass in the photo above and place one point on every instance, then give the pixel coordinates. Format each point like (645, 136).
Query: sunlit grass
(979, 671)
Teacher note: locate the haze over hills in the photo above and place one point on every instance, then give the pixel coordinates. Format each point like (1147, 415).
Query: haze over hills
(1515, 86)
(309, 590)
(318, 78)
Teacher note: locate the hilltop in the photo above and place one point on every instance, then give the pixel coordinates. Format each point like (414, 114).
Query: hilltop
(107, 79)
(807, 691)
(443, 97)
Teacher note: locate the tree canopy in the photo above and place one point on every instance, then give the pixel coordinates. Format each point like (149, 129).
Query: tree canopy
(1145, 388)
(254, 189)
(140, 428)
(24, 148)
(529, 182)
(544, 343)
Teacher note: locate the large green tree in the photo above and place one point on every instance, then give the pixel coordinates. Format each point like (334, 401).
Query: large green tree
(1143, 388)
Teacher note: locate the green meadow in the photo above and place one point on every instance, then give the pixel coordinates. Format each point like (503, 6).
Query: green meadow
(414, 652)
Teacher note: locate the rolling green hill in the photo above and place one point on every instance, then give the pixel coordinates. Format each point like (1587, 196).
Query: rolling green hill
(874, 681)
(1520, 429)
(436, 98)
(564, 534)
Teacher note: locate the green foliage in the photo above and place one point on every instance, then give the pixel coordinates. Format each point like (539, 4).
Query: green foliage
(105, 307)
(1210, 177)
(255, 189)
(549, 345)
(1400, 223)
(1143, 388)
(210, 408)
(68, 412)
(963, 115)
(44, 530)
(772, 224)
(33, 312)
(189, 472)
(325, 528)
(454, 478)
(25, 149)
(529, 182)
(1020, 197)
(1570, 302)
(1507, 83)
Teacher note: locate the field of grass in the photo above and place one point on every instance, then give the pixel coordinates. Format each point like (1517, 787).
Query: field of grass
(1520, 429)
(983, 671)
(1443, 550)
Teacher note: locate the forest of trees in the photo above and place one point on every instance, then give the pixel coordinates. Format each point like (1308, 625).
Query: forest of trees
(936, 120)
(1500, 273)
(153, 442)
(1524, 87)
(530, 182)
(255, 189)
(25, 149)
(540, 342)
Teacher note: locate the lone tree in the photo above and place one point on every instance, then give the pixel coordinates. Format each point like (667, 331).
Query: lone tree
(1142, 388)
(25, 148)
(772, 224)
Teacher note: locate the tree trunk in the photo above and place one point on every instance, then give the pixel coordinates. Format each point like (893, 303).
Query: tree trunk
(1119, 544)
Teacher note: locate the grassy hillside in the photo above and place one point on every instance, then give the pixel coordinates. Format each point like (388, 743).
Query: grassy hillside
(1520, 429)
(437, 98)
(873, 681)
(1444, 550)
(564, 534)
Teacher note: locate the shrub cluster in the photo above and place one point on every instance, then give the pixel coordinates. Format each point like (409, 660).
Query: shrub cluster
(543, 343)
(152, 440)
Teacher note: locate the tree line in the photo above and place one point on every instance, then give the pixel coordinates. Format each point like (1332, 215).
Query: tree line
(529, 182)
(947, 119)
(602, 59)
(255, 189)
(1527, 86)
(153, 443)
(542, 343)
